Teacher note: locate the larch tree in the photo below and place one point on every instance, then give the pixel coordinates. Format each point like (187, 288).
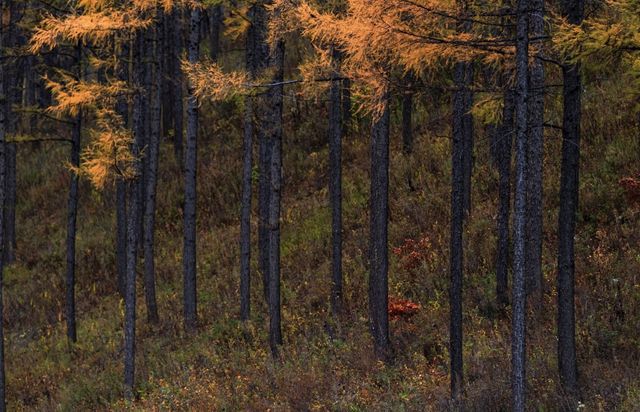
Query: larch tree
(608, 38)
(190, 173)
(518, 327)
(535, 155)
(335, 182)
(72, 213)
(379, 233)
(153, 85)
(3, 133)
(573, 11)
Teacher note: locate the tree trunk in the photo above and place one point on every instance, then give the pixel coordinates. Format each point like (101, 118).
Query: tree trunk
(467, 120)
(379, 220)
(247, 163)
(153, 147)
(533, 273)
(3, 128)
(190, 291)
(335, 186)
(346, 105)
(260, 50)
(168, 60)
(457, 228)
(122, 108)
(518, 329)
(215, 20)
(503, 149)
(178, 95)
(273, 122)
(573, 10)
(133, 217)
(72, 213)
(10, 197)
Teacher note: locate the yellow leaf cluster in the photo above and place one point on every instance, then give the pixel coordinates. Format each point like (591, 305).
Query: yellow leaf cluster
(208, 81)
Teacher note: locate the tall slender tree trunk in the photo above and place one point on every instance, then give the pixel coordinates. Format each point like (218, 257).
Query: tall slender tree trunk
(518, 329)
(273, 122)
(178, 95)
(190, 203)
(378, 236)
(467, 121)
(215, 22)
(535, 153)
(247, 164)
(133, 217)
(456, 264)
(153, 147)
(122, 108)
(503, 144)
(10, 196)
(167, 59)
(346, 105)
(335, 185)
(72, 214)
(3, 125)
(258, 16)
(573, 10)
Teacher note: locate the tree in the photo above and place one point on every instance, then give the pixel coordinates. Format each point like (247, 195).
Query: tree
(190, 193)
(456, 257)
(122, 109)
(153, 147)
(535, 154)
(503, 145)
(569, 187)
(518, 328)
(335, 185)
(378, 232)
(247, 162)
(3, 119)
(273, 130)
(72, 214)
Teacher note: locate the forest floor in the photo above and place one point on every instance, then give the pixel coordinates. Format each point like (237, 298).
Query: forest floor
(226, 365)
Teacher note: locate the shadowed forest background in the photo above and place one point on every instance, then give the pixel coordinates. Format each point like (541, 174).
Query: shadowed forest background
(64, 78)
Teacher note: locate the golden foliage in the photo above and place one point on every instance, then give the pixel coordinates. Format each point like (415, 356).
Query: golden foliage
(72, 95)
(209, 81)
(109, 154)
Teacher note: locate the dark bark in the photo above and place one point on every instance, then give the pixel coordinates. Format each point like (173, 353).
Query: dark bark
(247, 163)
(503, 147)
(457, 228)
(189, 259)
(569, 188)
(346, 105)
(10, 197)
(153, 147)
(167, 56)
(215, 22)
(273, 129)
(178, 95)
(573, 10)
(533, 274)
(260, 57)
(3, 128)
(518, 328)
(335, 186)
(133, 217)
(122, 108)
(72, 214)
(378, 237)
(467, 121)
